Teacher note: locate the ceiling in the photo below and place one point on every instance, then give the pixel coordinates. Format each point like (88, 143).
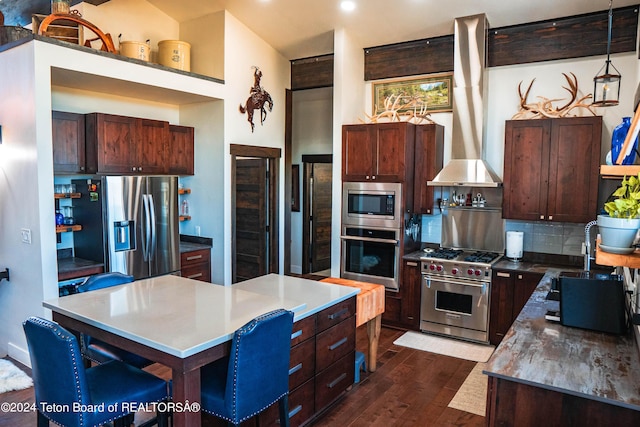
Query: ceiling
(304, 28)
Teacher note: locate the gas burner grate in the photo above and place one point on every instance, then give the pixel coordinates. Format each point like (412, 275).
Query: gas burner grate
(483, 257)
(444, 253)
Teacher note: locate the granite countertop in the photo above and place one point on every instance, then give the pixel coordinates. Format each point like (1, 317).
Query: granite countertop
(587, 364)
(194, 243)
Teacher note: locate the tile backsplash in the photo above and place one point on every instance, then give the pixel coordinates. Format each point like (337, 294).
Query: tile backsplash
(543, 237)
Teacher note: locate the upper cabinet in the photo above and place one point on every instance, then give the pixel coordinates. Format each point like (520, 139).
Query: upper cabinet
(126, 145)
(551, 169)
(181, 150)
(428, 162)
(378, 152)
(68, 142)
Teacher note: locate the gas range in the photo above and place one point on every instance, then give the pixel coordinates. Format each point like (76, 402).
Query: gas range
(462, 264)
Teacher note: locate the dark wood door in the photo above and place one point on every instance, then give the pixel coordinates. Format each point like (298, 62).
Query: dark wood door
(358, 143)
(574, 169)
(110, 143)
(523, 286)
(68, 142)
(412, 281)
(151, 146)
(526, 166)
(321, 216)
(251, 252)
(180, 154)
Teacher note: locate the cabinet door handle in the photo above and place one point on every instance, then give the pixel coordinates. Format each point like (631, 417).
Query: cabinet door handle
(550, 217)
(412, 264)
(296, 334)
(133, 169)
(373, 177)
(193, 276)
(501, 274)
(367, 177)
(292, 412)
(519, 276)
(337, 344)
(337, 314)
(295, 369)
(335, 382)
(191, 258)
(541, 216)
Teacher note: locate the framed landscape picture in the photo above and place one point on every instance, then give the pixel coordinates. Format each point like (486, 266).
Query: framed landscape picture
(432, 91)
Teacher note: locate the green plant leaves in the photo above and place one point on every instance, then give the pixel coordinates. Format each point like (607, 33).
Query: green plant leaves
(627, 202)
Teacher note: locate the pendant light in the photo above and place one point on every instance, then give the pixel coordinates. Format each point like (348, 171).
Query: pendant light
(606, 85)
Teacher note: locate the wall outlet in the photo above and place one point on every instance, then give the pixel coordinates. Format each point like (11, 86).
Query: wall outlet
(26, 235)
(197, 230)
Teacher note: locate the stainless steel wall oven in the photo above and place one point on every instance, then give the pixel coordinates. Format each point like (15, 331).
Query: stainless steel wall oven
(372, 227)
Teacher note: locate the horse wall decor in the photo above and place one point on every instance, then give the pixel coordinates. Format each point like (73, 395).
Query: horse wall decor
(257, 100)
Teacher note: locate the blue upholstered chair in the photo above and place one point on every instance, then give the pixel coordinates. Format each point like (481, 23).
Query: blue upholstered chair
(70, 395)
(98, 351)
(255, 374)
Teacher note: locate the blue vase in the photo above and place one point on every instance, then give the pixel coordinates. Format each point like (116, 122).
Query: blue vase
(617, 140)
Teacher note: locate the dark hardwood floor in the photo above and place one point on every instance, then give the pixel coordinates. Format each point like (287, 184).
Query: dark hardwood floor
(409, 388)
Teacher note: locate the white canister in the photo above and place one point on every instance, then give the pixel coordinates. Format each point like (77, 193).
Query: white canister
(175, 54)
(136, 50)
(514, 245)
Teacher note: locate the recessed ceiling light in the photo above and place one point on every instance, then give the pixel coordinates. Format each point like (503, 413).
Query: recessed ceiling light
(348, 5)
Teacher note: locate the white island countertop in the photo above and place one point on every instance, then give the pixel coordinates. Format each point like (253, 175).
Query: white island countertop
(182, 317)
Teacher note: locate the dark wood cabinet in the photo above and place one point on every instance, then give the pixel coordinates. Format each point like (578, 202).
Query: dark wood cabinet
(510, 290)
(428, 162)
(180, 153)
(126, 145)
(378, 152)
(551, 169)
(402, 308)
(196, 265)
(322, 363)
(68, 132)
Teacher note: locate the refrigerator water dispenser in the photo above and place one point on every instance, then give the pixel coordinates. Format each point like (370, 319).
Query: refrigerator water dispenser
(124, 236)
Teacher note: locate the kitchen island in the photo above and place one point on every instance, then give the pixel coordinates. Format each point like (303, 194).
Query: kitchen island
(185, 324)
(543, 373)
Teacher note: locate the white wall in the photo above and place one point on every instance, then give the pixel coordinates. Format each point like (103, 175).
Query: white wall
(247, 50)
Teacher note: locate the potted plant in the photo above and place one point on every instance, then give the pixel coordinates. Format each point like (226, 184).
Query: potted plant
(619, 227)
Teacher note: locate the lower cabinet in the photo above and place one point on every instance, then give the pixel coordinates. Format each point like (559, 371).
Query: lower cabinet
(402, 308)
(196, 265)
(510, 290)
(322, 363)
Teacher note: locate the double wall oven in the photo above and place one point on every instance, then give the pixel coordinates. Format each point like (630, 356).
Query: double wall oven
(372, 227)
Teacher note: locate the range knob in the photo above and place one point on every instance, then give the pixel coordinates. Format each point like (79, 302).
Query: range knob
(454, 270)
(470, 271)
(432, 267)
(439, 267)
(478, 272)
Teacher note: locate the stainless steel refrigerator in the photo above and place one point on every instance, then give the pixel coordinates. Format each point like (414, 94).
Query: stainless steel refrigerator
(129, 222)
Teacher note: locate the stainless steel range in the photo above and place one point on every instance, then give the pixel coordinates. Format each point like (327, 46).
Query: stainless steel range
(456, 285)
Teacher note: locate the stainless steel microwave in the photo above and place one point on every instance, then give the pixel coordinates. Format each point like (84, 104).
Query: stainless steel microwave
(372, 204)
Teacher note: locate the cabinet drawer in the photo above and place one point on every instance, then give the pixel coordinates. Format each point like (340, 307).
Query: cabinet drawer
(303, 330)
(331, 382)
(197, 272)
(301, 407)
(195, 257)
(335, 314)
(334, 343)
(302, 364)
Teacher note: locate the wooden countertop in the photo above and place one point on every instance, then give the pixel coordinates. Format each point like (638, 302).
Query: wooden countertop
(574, 361)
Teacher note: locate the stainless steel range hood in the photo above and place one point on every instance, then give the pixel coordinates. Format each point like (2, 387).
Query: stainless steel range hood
(467, 168)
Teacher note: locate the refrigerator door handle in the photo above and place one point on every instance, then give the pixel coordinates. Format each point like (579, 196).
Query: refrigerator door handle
(152, 222)
(145, 241)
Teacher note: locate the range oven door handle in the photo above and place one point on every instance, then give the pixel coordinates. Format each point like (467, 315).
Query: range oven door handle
(447, 280)
(370, 239)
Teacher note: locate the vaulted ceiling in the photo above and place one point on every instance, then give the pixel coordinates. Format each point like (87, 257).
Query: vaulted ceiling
(303, 28)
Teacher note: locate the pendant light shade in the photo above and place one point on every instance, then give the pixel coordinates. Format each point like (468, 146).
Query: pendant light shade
(606, 85)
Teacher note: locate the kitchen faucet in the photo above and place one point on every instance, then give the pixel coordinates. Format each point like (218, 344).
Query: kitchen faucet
(587, 246)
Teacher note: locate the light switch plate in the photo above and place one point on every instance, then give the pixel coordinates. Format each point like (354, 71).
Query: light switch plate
(26, 235)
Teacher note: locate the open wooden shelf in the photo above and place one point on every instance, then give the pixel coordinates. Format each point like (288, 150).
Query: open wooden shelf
(619, 171)
(185, 217)
(184, 191)
(67, 228)
(67, 195)
(631, 260)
